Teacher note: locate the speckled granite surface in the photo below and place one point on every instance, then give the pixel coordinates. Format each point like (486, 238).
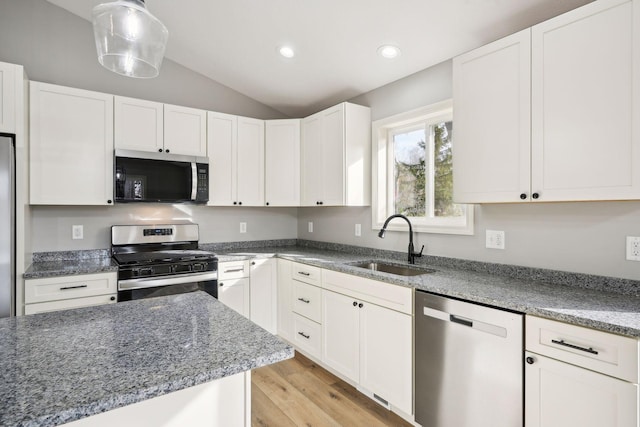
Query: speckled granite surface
(63, 366)
(605, 303)
(70, 267)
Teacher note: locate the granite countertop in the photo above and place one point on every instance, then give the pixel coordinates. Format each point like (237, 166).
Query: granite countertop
(63, 366)
(598, 302)
(539, 295)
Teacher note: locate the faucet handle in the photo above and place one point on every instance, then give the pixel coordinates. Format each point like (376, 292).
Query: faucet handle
(420, 254)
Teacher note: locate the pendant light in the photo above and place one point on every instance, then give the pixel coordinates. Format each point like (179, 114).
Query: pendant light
(130, 41)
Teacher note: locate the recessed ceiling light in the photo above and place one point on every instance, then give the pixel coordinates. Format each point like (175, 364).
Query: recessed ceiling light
(286, 51)
(388, 51)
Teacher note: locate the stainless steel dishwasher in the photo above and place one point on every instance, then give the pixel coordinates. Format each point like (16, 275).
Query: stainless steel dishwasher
(468, 364)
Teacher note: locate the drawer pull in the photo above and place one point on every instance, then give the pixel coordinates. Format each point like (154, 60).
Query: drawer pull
(304, 335)
(64, 288)
(306, 301)
(576, 347)
(234, 270)
(304, 273)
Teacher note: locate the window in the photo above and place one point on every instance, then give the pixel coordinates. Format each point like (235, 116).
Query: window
(412, 172)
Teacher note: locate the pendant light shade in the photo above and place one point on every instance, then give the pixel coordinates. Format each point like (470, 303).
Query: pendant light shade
(130, 41)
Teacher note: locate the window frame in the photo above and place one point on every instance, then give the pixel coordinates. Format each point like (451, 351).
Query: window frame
(382, 193)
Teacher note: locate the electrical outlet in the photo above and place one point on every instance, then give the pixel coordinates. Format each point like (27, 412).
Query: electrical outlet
(310, 226)
(243, 227)
(495, 239)
(358, 230)
(77, 232)
(633, 248)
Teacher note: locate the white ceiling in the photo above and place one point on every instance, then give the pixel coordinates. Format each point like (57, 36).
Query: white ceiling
(235, 42)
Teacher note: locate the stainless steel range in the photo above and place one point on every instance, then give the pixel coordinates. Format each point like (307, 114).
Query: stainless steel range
(157, 260)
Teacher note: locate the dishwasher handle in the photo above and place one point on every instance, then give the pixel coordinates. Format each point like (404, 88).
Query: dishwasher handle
(474, 324)
(461, 320)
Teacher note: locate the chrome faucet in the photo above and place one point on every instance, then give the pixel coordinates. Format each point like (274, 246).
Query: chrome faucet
(411, 255)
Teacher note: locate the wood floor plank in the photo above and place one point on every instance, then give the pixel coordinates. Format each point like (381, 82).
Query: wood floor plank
(301, 410)
(264, 413)
(337, 405)
(300, 392)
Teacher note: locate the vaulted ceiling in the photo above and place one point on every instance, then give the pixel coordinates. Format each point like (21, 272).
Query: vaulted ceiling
(235, 42)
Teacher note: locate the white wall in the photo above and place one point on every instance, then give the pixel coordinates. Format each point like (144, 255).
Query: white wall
(578, 237)
(52, 224)
(56, 46)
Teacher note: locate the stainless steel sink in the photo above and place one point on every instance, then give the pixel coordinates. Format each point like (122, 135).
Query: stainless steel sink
(397, 269)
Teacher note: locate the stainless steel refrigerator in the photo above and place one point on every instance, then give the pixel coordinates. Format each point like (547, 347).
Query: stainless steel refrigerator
(7, 226)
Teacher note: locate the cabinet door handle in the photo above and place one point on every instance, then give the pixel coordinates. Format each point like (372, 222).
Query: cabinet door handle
(64, 288)
(535, 195)
(523, 196)
(575, 347)
(234, 270)
(304, 273)
(304, 335)
(306, 301)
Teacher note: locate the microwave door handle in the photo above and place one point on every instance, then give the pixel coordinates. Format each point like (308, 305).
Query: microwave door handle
(194, 180)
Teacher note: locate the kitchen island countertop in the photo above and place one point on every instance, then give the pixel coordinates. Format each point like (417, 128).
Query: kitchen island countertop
(63, 366)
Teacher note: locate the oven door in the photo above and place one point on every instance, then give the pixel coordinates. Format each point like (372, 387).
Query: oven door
(149, 287)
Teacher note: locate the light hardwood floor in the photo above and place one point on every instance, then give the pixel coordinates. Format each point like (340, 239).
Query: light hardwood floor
(297, 392)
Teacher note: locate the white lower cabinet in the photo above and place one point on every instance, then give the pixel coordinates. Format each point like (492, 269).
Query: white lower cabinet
(234, 293)
(233, 286)
(264, 294)
(65, 292)
(579, 377)
(371, 345)
(285, 313)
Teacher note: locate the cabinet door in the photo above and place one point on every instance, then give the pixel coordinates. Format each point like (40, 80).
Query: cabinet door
(585, 110)
(71, 152)
(386, 355)
(333, 155)
(282, 163)
(311, 169)
(7, 98)
(185, 130)
(250, 163)
(234, 293)
(285, 284)
(264, 298)
(138, 124)
(221, 143)
(558, 394)
(491, 147)
(340, 333)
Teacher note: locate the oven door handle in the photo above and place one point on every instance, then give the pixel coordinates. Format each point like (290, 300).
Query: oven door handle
(152, 282)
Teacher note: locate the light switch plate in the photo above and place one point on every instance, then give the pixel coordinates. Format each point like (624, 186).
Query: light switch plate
(77, 232)
(243, 227)
(495, 239)
(310, 226)
(358, 230)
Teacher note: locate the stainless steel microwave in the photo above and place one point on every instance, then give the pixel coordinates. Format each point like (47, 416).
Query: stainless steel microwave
(141, 176)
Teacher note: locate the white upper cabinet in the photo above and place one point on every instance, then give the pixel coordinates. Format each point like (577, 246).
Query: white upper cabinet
(581, 91)
(185, 130)
(282, 162)
(336, 157)
(8, 74)
(156, 127)
(585, 103)
(138, 124)
(250, 163)
(71, 152)
(491, 147)
(236, 160)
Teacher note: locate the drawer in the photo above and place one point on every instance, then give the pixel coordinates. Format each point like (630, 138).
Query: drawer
(387, 295)
(307, 335)
(233, 270)
(307, 300)
(599, 351)
(68, 287)
(306, 273)
(67, 304)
